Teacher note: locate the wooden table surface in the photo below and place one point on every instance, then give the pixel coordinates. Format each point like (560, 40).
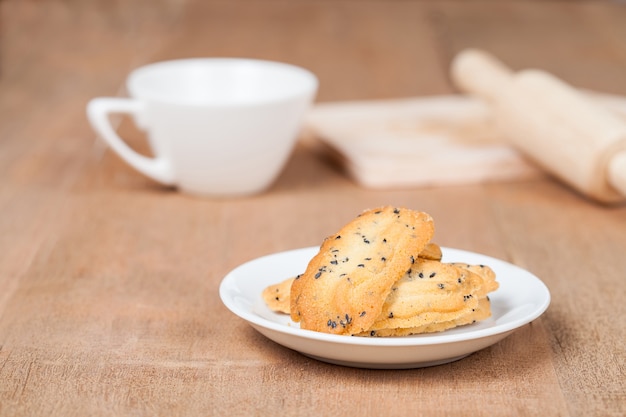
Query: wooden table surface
(109, 282)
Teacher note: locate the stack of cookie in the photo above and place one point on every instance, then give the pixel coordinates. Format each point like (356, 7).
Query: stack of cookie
(381, 275)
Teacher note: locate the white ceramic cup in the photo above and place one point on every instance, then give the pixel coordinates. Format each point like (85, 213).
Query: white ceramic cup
(216, 126)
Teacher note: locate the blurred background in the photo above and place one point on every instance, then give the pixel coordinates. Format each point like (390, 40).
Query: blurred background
(56, 55)
(411, 42)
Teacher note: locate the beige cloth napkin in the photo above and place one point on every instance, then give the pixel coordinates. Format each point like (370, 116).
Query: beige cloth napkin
(426, 141)
(430, 141)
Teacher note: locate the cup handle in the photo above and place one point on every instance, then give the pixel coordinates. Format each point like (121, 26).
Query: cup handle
(98, 111)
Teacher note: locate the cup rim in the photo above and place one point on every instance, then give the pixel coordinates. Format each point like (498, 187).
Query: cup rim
(309, 84)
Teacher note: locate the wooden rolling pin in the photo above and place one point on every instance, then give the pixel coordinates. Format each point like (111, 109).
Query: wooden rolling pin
(558, 127)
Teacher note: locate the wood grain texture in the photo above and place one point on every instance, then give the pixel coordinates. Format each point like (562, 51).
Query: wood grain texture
(108, 281)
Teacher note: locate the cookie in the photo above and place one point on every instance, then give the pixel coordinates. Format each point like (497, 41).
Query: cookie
(430, 297)
(345, 285)
(277, 296)
(434, 296)
(481, 312)
(430, 292)
(432, 251)
(488, 275)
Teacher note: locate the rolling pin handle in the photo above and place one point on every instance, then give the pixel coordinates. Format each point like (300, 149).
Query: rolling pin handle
(617, 172)
(478, 72)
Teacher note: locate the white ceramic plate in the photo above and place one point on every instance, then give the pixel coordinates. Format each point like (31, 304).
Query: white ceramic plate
(521, 298)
